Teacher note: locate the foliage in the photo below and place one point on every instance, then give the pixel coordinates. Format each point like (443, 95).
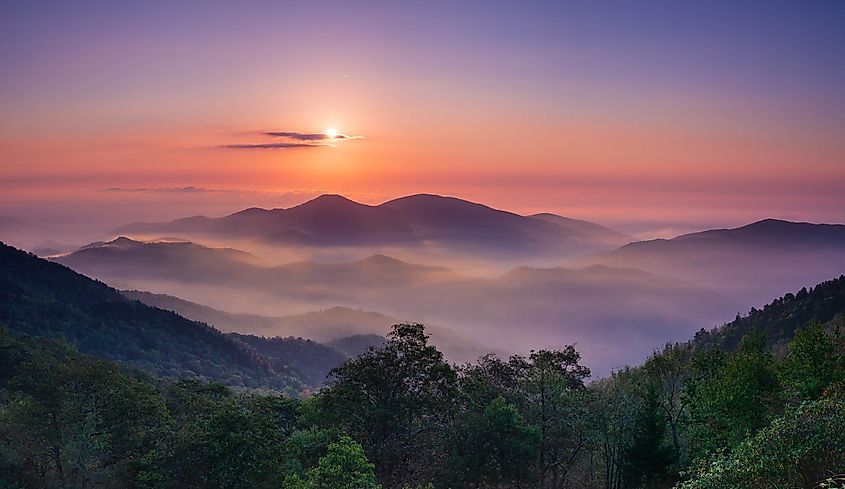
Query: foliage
(394, 400)
(343, 467)
(815, 361)
(802, 448)
(731, 396)
(781, 318)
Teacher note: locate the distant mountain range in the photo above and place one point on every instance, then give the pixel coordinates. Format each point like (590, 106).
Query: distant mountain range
(343, 328)
(750, 264)
(134, 264)
(416, 220)
(498, 280)
(513, 312)
(544, 307)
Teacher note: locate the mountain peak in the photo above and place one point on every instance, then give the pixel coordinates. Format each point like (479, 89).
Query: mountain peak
(251, 211)
(327, 200)
(381, 260)
(429, 200)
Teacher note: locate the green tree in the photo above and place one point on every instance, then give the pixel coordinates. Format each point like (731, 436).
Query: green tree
(343, 467)
(814, 363)
(648, 459)
(79, 422)
(492, 447)
(554, 401)
(397, 401)
(731, 396)
(802, 448)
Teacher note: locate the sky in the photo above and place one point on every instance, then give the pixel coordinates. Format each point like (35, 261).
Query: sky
(653, 117)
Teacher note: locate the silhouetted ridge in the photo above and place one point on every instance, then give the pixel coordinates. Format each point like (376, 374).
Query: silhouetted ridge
(780, 319)
(415, 220)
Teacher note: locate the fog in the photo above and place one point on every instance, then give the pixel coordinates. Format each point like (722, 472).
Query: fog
(482, 279)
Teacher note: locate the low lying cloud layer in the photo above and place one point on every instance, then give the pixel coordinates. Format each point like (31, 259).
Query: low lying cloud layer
(295, 139)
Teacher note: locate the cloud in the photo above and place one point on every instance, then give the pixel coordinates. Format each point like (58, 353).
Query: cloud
(305, 136)
(174, 190)
(275, 146)
(295, 139)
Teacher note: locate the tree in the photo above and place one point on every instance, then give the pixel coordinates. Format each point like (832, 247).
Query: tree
(731, 396)
(396, 400)
(553, 402)
(815, 362)
(669, 371)
(802, 448)
(343, 467)
(492, 447)
(616, 399)
(648, 459)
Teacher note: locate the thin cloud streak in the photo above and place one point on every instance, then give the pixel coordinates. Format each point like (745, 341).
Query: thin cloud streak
(275, 146)
(304, 136)
(295, 139)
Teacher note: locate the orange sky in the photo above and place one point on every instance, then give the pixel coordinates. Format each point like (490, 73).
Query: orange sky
(649, 135)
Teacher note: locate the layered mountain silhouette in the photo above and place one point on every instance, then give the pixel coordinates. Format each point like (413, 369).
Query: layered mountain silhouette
(127, 261)
(418, 220)
(346, 329)
(751, 263)
(43, 299)
(613, 313)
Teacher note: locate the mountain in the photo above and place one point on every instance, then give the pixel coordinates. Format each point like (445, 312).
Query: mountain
(52, 247)
(347, 330)
(311, 360)
(751, 263)
(232, 280)
(124, 258)
(357, 344)
(44, 299)
(781, 318)
(417, 220)
(598, 233)
(614, 314)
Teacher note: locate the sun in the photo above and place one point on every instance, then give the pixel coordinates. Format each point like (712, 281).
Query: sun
(331, 132)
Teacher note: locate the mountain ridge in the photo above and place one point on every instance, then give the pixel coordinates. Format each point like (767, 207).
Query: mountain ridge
(41, 298)
(331, 219)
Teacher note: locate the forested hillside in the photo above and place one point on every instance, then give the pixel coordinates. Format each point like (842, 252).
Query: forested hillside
(399, 416)
(44, 299)
(781, 318)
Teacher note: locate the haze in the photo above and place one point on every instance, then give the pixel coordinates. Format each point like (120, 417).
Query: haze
(482, 170)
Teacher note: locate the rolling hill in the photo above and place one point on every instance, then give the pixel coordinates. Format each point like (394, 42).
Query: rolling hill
(614, 314)
(43, 299)
(345, 329)
(417, 220)
(750, 264)
(186, 262)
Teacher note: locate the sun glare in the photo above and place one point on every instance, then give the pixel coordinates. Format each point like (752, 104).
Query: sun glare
(331, 132)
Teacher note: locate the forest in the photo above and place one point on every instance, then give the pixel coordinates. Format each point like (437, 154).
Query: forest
(400, 416)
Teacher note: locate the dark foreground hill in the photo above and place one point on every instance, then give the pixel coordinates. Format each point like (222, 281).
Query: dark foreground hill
(45, 299)
(780, 319)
